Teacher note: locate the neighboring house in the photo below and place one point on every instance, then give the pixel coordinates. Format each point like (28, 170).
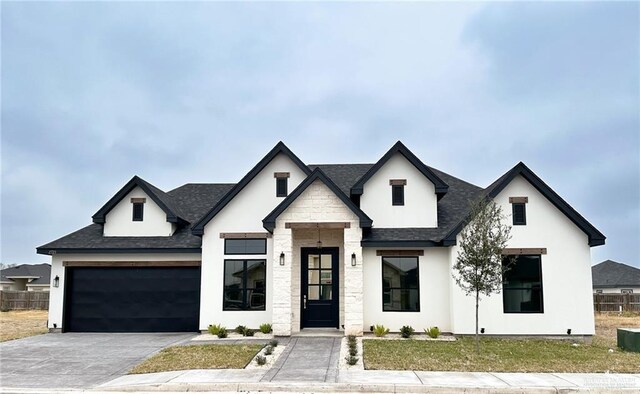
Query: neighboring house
(610, 277)
(344, 246)
(29, 277)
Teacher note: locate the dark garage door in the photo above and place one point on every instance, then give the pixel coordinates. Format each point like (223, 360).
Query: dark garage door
(132, 299)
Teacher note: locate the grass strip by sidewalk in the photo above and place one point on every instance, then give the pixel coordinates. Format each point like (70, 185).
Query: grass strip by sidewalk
(497, 355)
(178, 358)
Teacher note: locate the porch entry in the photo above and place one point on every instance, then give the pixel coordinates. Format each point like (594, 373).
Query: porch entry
(319, 285)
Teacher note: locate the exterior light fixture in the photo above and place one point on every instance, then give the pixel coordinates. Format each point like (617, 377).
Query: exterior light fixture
(353, 259)
(319, 243)
(281, 258)
(56, 281)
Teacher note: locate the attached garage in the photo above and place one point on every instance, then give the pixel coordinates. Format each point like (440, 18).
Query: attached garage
(131, 297)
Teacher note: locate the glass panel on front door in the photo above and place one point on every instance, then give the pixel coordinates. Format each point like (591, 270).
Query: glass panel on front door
(320, 277)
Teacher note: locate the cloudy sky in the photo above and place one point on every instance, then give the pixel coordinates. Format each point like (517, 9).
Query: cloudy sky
(93, 93)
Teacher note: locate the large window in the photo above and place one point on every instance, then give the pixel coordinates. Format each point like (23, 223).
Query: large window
(244, 285)
(400, 287)
(522, 285)
(245, 246)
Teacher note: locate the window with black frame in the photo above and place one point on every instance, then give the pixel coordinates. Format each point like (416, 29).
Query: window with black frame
(244, 285)
(522, 285)
(400, 284)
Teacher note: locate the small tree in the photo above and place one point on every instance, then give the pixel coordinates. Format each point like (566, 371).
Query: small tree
(478, 268)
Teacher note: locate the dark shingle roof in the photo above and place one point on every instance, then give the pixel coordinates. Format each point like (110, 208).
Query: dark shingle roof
(612, 274)
(198, 203)
(343, 175)
(192, 200)
(195, 199)
(40, 271)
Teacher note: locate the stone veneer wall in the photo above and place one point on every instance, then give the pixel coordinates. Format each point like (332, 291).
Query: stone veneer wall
(317, 204)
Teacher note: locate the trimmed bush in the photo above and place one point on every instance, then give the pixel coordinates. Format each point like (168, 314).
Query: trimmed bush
(406, 331)
(240, 330)
(261, 360)
(379, 330)
(273, 343)
(214, 329)
(432, 332)
(268, 350)
(265, 328)
(351, 360)
(222, 332)
(248, 332)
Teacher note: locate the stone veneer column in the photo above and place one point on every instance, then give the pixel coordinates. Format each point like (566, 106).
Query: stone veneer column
(353, 281)
(281, 315)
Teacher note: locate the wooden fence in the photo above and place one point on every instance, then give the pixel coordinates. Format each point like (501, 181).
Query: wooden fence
(616, 302)
(21, 300)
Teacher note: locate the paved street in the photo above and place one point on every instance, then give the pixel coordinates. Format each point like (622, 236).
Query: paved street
(76, 360)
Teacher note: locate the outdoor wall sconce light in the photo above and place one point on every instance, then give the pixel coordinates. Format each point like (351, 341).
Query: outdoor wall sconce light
(353, 259)
(56, 281)
(281, 258)
(569, 331)
(482, 330)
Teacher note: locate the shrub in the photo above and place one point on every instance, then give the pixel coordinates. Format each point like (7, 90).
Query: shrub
(351, 338)
(268, 350)
(351, 360)
(265, 328)
(406, 331)
(240, 330)
(222, 332)
(273, 343)
(380, 330)
(248, 332)
(432, 332)
(261, 360)
(214, 329)
(353, 351)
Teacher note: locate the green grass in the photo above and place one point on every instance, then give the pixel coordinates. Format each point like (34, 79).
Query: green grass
(497, 355)
(179, 358)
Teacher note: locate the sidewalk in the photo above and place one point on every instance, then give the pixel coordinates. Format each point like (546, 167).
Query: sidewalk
(379, 382)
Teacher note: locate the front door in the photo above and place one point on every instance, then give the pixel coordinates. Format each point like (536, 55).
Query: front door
(319, 285)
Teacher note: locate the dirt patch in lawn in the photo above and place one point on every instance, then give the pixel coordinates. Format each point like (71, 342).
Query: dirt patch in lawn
(20, 324)
(179, 358)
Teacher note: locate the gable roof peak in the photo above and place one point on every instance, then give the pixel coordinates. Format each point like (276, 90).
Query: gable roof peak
(269, 222)
(596, 238)
(162, 199)
(280, 147)
(440, 186)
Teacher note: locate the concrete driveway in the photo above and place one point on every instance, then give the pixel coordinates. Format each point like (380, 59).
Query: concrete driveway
(76, 360)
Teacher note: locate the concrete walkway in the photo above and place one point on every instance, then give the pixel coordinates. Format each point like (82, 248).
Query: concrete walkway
(307, 360)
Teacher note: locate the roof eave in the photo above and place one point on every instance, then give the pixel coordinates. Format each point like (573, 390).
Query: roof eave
(53, 251)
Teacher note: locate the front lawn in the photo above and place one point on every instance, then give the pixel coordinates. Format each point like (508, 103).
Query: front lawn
(509, 355)
(180, 358)
(20, 324)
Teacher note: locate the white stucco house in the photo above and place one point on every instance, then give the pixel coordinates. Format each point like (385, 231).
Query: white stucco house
(340, 246)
